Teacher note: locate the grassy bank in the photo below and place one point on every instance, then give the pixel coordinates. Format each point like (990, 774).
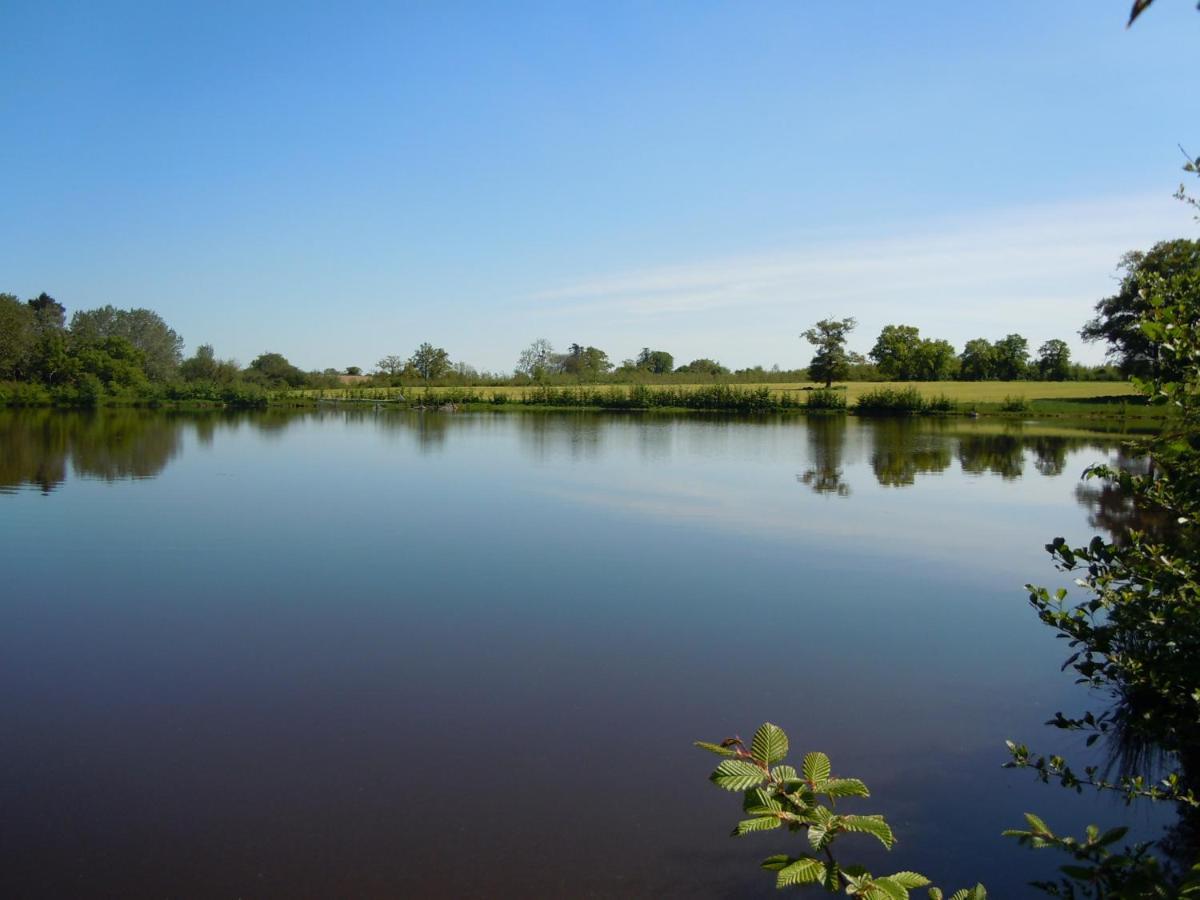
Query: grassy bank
(1113, 402)
(1049, 398)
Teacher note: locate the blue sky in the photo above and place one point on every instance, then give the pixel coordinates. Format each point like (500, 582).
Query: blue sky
(338, 182)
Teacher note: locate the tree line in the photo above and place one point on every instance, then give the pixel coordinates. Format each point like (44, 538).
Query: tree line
(901, 354)
(132, 355)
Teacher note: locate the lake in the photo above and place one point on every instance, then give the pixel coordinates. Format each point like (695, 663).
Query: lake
(381, 653)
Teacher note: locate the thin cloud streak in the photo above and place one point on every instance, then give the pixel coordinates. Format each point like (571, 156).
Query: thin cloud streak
(1030, 258)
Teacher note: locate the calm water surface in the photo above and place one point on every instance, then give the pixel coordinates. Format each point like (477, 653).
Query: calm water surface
(390, 654)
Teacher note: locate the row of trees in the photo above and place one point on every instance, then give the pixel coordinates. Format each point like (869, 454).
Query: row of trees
(128, 351)
(105, 348)
(539, 360)
(901, 354)
(124, 353)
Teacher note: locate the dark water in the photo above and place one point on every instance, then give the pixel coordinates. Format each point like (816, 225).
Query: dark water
(386, 654)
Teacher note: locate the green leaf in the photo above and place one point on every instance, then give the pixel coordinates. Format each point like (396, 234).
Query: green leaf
(761, 823)
(1037, 824)
(844, 787)
(737, 775)
(714, 748)
(872, 825)
(816, 767)
(759, 803)
(818, 837)
(805, 870)
(892, 889)
(770, 744)
(785, 773)
(776, 862)
(909, 879)
(979, 892)
(935, 893)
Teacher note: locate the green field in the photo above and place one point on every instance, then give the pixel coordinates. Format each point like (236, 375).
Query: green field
(964, 393)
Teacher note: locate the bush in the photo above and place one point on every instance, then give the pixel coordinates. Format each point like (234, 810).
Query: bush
(21, 393)
(941, 404)
(891, 400)
(1014, 404)
(826, 399)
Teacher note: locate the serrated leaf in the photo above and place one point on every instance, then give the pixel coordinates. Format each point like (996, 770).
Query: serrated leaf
(770, 744)
(818, 837)
(844, 787)
(833, 877)
(872, 825)
(935, 893)
(1037, 824)
(805, 870)
(737, 775)
(714, 748)
(761, 823)
(816, 767)
(909, 880)
(759, 803)
(979, 892)
(823, 816)
(776, 861)
(889, 889)
(785, 773)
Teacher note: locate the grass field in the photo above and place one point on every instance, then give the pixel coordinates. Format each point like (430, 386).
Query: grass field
(964, 393)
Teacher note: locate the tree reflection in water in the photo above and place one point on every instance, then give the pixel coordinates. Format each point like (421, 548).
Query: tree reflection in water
(826, 444)
(110, 445)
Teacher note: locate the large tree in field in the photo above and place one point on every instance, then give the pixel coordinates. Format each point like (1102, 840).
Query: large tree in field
(1010, 357)
(702, 366)
(1118, 318)
(586, 363)
(831, 361)
(429, 361)
(977, 361)
(537, 359)
(143, 328)
(1054, 360)
(895, 351)
(933, 360)
(391, 364)
(274, 370)
(660, 362)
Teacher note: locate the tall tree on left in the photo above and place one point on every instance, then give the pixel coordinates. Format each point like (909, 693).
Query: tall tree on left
(18, 337)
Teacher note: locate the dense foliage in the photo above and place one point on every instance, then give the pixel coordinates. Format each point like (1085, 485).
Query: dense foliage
(1118, 320)
(1136, 637)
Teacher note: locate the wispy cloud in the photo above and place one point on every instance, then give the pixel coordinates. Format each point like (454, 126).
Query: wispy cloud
(1017, 265)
